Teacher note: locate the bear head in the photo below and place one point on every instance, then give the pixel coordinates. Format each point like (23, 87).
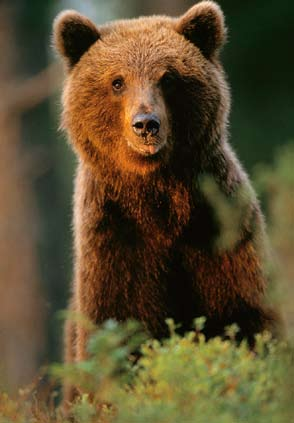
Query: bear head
(142, 94)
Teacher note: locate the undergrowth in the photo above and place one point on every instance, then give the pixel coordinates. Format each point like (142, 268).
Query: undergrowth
(182, 379)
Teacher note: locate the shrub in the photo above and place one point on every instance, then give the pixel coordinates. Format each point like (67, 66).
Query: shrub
(182, 379)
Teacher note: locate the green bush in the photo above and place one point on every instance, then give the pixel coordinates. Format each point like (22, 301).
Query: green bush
(182, 379)
(275, 184)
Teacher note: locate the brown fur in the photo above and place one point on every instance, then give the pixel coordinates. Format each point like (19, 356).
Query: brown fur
(144, 229)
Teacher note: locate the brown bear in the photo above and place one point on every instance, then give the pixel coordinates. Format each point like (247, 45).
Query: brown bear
(145, 105)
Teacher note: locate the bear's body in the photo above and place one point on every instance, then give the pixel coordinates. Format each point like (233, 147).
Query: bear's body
(146, 106)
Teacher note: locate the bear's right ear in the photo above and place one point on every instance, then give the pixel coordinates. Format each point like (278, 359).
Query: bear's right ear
(73, 35)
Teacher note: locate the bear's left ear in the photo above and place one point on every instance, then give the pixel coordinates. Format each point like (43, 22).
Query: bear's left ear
(204, 26)
(73, 35)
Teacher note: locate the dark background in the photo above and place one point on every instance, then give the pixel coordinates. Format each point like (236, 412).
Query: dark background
(37, 166)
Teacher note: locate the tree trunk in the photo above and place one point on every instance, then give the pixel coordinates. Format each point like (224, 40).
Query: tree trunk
(22, 310)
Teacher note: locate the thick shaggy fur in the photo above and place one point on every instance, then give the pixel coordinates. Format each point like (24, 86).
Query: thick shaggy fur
(145, 232)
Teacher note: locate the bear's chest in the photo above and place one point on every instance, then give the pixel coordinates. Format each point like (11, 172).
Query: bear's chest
(140, 225)
(162, 222)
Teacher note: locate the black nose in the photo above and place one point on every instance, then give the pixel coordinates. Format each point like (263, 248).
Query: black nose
(146, 124)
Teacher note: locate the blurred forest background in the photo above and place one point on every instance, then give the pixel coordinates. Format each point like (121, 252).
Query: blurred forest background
(37, 166)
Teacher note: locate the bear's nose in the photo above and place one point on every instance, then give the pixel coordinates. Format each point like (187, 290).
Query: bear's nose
(146, 124)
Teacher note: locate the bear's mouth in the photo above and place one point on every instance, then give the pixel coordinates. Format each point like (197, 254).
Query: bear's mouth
(146, 149)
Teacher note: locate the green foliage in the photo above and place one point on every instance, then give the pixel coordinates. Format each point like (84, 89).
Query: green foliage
(110, 350)
(232, 212)
(182, 379)
(275, 184)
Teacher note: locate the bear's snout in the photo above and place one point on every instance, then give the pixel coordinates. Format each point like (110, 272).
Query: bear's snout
(146, 125)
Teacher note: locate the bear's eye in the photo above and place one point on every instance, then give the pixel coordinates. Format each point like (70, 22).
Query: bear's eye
(168, 80)
(117, 84)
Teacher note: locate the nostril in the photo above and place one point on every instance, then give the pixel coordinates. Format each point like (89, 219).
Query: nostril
(138, 125)
(152, 127)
